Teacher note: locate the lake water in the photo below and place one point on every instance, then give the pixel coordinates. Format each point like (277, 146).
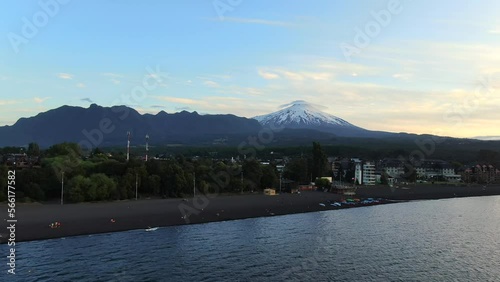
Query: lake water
(441, 240)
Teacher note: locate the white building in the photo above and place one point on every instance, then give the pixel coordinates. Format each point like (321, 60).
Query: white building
(369, 177)
(358, 174)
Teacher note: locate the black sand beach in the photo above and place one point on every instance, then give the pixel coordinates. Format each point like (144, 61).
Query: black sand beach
(89, 218)
(33, 220)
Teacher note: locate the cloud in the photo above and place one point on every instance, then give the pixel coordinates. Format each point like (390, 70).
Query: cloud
(178, 100)
(40, 100)
(211, 83)
(253, 21)
(158, 106)
(65, 75)
(268, 75)
(402, 76)
(113, 77)
(276, 73)
(110, 74)
(88, 100)
(80, 85)
(8, 102)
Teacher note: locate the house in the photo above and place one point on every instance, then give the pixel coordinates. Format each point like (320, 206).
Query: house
(269, 192)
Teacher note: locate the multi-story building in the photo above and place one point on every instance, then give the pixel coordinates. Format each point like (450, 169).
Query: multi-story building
(369, 177)
(427, 169)
(485, 173)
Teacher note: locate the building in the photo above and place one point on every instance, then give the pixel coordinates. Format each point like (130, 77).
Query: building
(358, 174)
(368, 174)
(483, 174)
(433, 170)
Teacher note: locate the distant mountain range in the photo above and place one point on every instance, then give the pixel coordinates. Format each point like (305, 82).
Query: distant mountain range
(98, 126)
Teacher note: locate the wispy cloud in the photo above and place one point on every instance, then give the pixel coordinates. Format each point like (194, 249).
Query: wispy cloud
(177, 100)
(293, 75)
(111, 74)
(158, 106)
(403, 76)
(253, 21)
(268, 75)
(8, 102)
(88, 100)
(39, 100)
(113, 77)
(211, 83)
(80, 85)
(65, 75)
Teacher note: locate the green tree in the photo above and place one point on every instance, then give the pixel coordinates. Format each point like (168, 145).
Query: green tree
(3, 182)
(322, 183)
(319, 161)
(297, 170)
(101, 186)
(153, 184)
(252, 174)
(34, 192)
(269, 177)
(33, 150)
(78, 189)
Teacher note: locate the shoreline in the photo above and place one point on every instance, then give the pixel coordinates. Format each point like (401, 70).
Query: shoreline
(95, 218)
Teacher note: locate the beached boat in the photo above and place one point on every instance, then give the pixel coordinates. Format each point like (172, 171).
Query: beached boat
(151, 228)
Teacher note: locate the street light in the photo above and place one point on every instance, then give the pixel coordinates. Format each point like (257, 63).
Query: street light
(62, 187)
(281, 176)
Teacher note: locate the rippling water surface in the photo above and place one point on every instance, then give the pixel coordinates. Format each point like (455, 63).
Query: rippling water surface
(442, 240)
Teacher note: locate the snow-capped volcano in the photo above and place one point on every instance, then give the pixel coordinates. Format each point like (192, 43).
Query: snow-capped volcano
(300, 114)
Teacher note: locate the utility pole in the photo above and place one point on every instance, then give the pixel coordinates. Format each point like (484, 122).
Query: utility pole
(62, 187)
(280, 180)
(136, 186)
(241, 181)
(128, 145)
(147, 146)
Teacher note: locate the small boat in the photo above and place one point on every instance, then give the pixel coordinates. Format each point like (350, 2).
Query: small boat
(151, 228)
(321, 204)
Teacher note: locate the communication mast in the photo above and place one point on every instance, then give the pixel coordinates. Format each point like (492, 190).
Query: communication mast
(128, 145)
(147, 147)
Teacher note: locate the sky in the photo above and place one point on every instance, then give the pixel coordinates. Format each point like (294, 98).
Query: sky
(399, 66)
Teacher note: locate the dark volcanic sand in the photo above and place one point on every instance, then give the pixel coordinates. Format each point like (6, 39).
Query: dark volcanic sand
(89, 218)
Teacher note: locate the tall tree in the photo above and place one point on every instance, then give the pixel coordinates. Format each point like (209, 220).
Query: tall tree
(33, 150)
(319, 161)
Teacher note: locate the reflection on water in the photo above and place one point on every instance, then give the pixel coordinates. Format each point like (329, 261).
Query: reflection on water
(442, 240)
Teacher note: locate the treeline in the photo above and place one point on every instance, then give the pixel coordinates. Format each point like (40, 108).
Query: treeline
(104, 177)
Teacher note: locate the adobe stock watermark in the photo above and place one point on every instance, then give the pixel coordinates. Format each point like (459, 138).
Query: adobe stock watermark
(371, 30)
(222, 7)
(31, 27)
(150, 82)
(222, 179)
(94, 137)
(300, 268)
(455, 115)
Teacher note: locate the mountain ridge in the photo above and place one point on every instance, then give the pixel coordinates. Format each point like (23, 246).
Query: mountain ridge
(105, 126)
